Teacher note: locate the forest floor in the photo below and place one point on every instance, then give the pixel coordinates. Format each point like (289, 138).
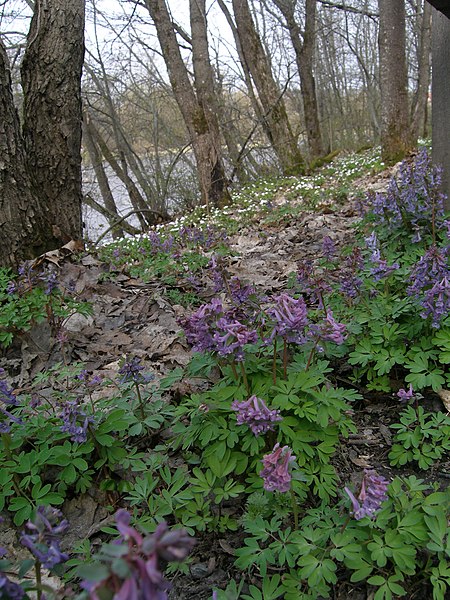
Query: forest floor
(136, 317)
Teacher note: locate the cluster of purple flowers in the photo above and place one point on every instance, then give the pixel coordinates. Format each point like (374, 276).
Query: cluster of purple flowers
(240, 293)
(231, 336)
(212, 328)
(29, 278)
(207, 237)
(329, 329)
(11, 288)
(217, 274)
(142, 556)
(372, 494)
(51, 282)
(290, 318)
(412, 197)
(406, 395)
(159, 243)
(43, 539)
(328, 248)
(254, 413)
(350, 281)
(198, 326)
(10, 590)
(313, 285)
(379, 268)
(72, 415)
(8, 398)
(131, 371)
(430, 284)
(275, 472)
(90, 381)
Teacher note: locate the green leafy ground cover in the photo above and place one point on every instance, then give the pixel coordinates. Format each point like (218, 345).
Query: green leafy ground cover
(255, 458)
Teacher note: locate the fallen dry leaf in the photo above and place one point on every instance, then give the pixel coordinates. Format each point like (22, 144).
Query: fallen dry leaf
(444, 395)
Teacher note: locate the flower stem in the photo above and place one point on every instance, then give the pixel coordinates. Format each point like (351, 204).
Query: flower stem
(311, 355)
(294, 508)
(285, 358)
(244, 378)
(37, 570)
(274, 362)
(141, 404)
(235, 373)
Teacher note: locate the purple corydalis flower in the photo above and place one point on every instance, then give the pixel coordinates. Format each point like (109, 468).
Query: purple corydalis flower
(240, 293)
(144, 578)
(328, 248)
(9, 590)
(412, 197)
(329, 329)
(71, 415)
(431, 268)
(6, 393)
(231, 338)
(43, 539)
(254, 413)
(436, 302)
(406, 395)
(8, 398)
(51, 282)
(315, 286)
(380, 268)
(88, 379)
(276, 473)
(429, 284)
(351, 285)
(132, 371)
(198, 327)
(290, 317)
(372, 494)
(11, 288)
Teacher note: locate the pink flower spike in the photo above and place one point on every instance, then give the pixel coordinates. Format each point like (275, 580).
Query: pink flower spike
(276, 473)
(123, 519)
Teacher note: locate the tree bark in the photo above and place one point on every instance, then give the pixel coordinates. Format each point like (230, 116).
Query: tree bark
(18, 205)
(51, 81)
(396, 139)
(423, 81)
(206, 97)
(205, 144)
(304, 54)
(440, 87)
(274, 111)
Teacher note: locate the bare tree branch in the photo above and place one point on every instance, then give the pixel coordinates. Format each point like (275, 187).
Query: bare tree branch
(347, 8)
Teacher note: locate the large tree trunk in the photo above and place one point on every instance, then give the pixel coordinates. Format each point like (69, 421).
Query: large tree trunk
(18, 205)
(423, 81)
(51, 80)
(206, 97)
(194, 108)
(440, 87)
(274, 110)
(304, 54)
(395, 130)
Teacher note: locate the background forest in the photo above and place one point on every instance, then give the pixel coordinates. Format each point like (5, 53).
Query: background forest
(224, 300)
(279, 85)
